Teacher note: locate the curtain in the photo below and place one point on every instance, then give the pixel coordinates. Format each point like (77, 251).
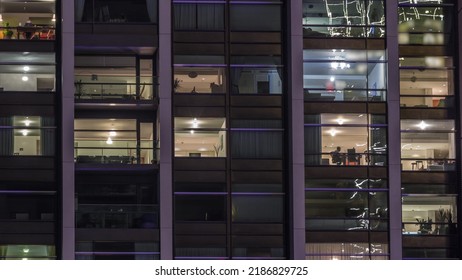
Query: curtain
(152, 10)
(6, 136)
(79, 8)
(210, 17)
(313, 141)
(47, 139)
(185, 16)
(254, 141)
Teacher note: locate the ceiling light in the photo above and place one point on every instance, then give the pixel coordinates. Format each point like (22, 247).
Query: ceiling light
(27, 122)
(112, 104)
(192, 132)
(25, 250)
(332, 79)
(202, 150)
(112, 133)
(423, 125)
(340, 121)
(109, 141)
(1, 17)
(53, 18)
(332, 132)
(195, 123)
(25, 132)
(25, 78)
(177, 149)
(26, 68)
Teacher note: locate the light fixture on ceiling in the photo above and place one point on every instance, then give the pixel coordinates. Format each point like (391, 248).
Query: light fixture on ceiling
(27, 122)
(25, 250)
(332, 132)
(192, 74)
(26, 68)
(341, 65)
(195, 123)
(112, 133)
(53, 17)
(332, 78)
(24, 132)
(423, 125)
(109, 141)
(192, 132)
(340, 120)
(25, 78)
(1, 17)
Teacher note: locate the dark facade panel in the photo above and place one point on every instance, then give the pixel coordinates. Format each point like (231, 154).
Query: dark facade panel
(199, 163)
(27, 46)
(27, 110)
(29, 227)
(257, 165)
(257, 229)
(426, 113)
(195, 241)
(21, 239)
(200, 176)
(200, 37)
(27, 98)
(257, 241)
(329, 107)
(198, 49)
(409, 177)
(200, 228)
(255, 37)
(334, 172)
(249, 177)
(33, 175)
(256, 113)
(200, 112)
(344, 43)
(256, 101)
(202, 100)
(420, 50)
(26, 162)
(255, 49)
(429, 241)
(133, 235)
(352, 236)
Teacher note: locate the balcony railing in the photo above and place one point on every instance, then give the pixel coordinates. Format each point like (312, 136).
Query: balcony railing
(116, 12)
(347, 159)
(357, 95)
(114, 87)
(117, 216)
(33, 32)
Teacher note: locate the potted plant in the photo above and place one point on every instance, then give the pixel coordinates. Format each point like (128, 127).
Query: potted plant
(7, 32)
(176, 84)
(425, 226)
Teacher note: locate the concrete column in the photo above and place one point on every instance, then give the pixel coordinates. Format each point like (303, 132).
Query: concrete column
(394, 137)
(166, 130)
(458, 86)
(296, 130)
(67, 137)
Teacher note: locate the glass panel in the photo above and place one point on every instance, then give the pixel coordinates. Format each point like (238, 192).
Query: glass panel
(205, 208)
(200, 137)
(116, 11)
(247, 80)
(345, 251)
(203, 17)
(242, 17)
(257, 208)
(429, 215)
(426, 82)
(30, 20)
(199, 80)
(27, 252)
(22, 206)
(346, 184)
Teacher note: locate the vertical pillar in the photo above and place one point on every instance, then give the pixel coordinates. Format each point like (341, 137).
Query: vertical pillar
(67, 129)
(458, 86)
(166, 128)
(296, 129)
(394, 136)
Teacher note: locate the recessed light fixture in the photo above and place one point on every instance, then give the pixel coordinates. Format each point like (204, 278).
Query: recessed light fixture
(24, 132)
(112, 133)
(423, 125)
(27, 122)
(112, 104)
(25, 78)
(192, 132)
(26, 68)
(332, 79)
(53, 18)
(340, 121)
(25, 250)
(109, 141)
(332, 132)
(195, 123)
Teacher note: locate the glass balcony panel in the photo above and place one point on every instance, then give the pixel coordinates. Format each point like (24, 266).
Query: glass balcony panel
(422, 101)
(116, 11)
(249, 80)
(117, 216)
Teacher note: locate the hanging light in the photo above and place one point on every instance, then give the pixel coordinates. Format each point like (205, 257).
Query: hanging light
(109, 141)
(53, 18)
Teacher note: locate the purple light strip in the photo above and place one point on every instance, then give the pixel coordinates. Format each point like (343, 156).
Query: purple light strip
(345, 190)
(27, 192)
(257, 194)
(199, 65)
(257, 129)
(117, 253)
(257, 65)
(200, 193)
(199, 2)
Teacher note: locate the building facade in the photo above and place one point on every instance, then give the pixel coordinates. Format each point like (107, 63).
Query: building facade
(230, 129)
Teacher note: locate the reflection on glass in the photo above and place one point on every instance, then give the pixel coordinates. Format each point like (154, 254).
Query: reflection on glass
(26, 252)
(116, 11)
(345, 251)
(249, 80)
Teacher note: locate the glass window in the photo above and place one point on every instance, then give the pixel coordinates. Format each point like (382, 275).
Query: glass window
(200, 208)
(338, 18)
(428, 145)
(28, 20)
(357, 184)
(113, 141)
(429, 215)
(345, 140)
(256, 80)
(200, 137)
(344, 75)
(242, 17)
(26, 252)
(256, 139)
(27, 136)
(27, 71)
(199, 80)
(344, 251)
(257, 208)
(202, 17)
(116, 11)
